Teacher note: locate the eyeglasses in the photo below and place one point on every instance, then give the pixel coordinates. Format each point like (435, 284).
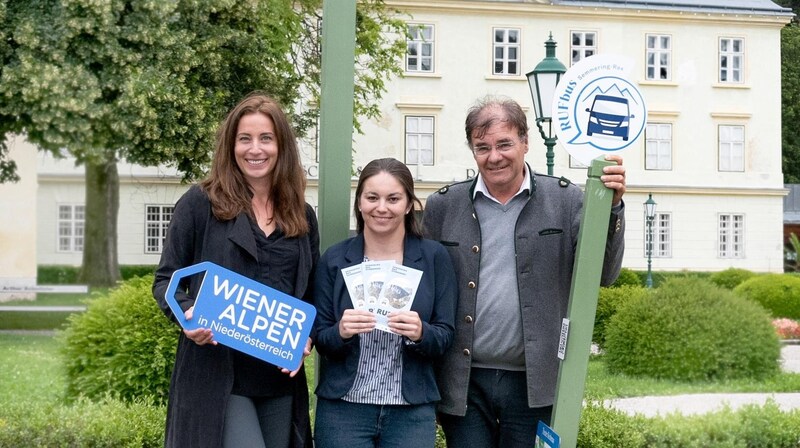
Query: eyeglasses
(484, 150)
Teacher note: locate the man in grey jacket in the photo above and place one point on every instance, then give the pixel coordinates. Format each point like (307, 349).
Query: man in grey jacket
(512, 235)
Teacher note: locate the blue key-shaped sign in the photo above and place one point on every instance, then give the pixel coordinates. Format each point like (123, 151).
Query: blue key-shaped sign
(246, 315)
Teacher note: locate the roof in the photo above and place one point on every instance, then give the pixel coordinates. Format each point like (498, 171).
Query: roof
(758, 7)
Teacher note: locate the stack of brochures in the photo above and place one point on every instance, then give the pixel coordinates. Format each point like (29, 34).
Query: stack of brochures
(381, 287)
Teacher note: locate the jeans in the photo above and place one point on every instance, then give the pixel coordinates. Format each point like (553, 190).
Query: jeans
(341, 424)
(497, 415)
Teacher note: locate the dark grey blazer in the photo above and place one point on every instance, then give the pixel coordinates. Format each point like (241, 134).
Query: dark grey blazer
(546, 238)
(203, 375)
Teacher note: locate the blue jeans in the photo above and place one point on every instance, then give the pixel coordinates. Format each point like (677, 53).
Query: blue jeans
(497, 415)
(341, 424)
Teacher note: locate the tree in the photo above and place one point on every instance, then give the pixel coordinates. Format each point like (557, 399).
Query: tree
(790, 95)
(790, 99)
(149, 81)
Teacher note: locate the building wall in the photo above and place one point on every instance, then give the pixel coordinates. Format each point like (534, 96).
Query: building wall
(18, 229)
(60, 182)
(693, 101)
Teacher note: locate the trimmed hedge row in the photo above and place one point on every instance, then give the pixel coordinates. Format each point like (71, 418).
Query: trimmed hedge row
(68, 275)
(112, 423)
(108, 423)
(749, 426)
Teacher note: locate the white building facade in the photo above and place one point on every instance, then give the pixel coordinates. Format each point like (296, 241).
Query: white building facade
(711, 156)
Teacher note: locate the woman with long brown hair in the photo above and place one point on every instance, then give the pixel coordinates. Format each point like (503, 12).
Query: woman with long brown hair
(249, 215)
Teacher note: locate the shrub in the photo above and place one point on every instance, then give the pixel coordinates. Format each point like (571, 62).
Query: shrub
(57, 275)
(749, 426)
(627, 278)
(121, 345)
(130, 271)
(690, 329)
(602, 427)
(609, 301)
(68, 275)
(731, 277)
(778, 293)
(109, 423)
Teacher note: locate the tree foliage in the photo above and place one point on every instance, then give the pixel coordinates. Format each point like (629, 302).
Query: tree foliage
(790, 99)
(790, 86)
(148, 81)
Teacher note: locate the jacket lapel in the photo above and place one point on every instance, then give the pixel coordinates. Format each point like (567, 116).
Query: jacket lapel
(241, 234)
(412, 253)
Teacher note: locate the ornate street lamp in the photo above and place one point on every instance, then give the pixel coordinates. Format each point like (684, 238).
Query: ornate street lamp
(650, 212)
(542, 82)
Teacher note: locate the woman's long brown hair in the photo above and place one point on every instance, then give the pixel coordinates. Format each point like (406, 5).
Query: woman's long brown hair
(229, 192)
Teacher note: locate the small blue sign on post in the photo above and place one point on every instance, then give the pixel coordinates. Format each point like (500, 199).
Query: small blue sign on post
(246, 315)
(546, 437)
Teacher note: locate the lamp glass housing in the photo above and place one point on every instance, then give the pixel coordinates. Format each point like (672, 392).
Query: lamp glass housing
(650, 207)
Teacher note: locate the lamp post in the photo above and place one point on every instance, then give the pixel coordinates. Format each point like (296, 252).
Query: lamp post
(542, 82)
(650, 212)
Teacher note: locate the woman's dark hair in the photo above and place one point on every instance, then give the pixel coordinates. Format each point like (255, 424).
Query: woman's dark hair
(228, 190)
(399, 171)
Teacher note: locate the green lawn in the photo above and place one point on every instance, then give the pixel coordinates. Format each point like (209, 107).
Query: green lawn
(44, 320)
(602, 385)
(30, 369)
(57, 299)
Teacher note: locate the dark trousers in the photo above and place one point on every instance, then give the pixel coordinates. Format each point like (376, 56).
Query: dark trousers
(257, 422)
(341, 424)
(497, 415)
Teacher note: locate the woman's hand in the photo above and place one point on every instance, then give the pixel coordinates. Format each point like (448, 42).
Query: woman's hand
(200, 336)
(306, 352)
(406, 323)
(355, 322)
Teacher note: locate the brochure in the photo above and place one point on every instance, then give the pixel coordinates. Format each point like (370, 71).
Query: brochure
(354, 280)
(381, 287)
(397, 294)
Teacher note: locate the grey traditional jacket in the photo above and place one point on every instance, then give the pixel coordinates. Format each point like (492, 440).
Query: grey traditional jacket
(546, 237)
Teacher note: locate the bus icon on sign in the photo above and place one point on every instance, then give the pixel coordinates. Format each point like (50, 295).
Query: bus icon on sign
(609, 115)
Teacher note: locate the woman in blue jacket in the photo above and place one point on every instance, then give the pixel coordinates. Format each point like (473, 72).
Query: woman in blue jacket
(377, 388)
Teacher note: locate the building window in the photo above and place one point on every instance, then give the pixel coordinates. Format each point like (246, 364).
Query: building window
(662, 236)
(659, 51)
(658, 146)
(506, 51)
(731, 60)
(419, 57)
(731, 236)
(71, 220)
(419, 140)
(662, 232)
(731, 148)
(582, 45)
(156, 221)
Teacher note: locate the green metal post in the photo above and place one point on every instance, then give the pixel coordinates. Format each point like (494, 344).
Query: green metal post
(582, 305)
(335, 126)
(336, 119)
